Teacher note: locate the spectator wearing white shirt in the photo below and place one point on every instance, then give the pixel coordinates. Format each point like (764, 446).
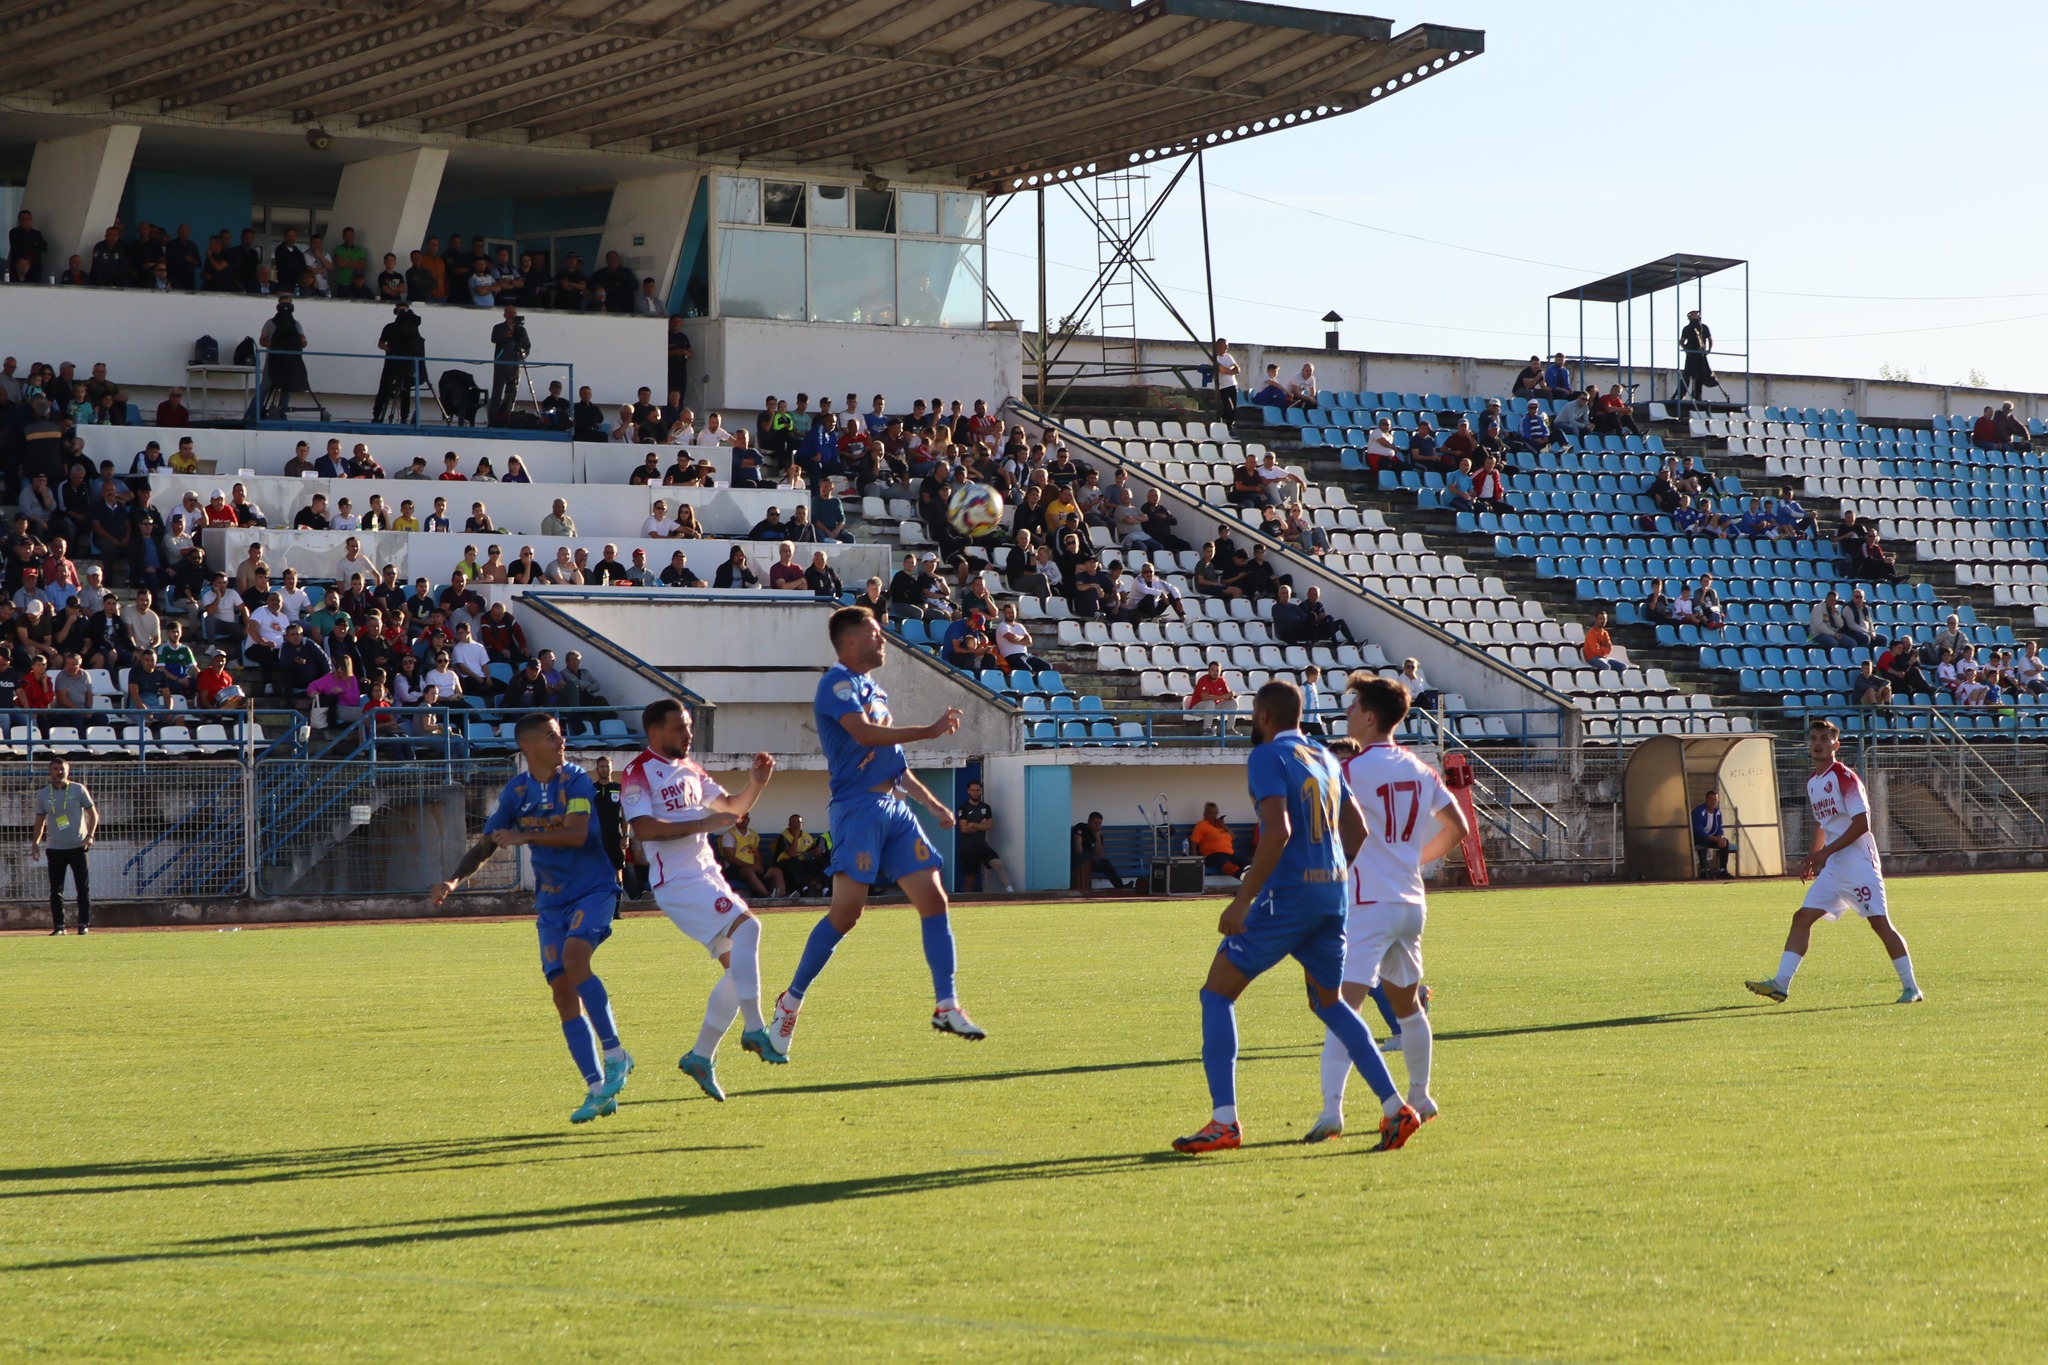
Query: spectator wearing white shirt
(1273, 474)
(441, 674)
(296, 600)
(1013, 643)
(714, 433)
(471, 662)
(1149, 597)
(1302, 390)
(659, 524)
(1380, 450)
(353, 561)
(1314, 705)
(1226, 368)
(344, 516)
(1420, 693)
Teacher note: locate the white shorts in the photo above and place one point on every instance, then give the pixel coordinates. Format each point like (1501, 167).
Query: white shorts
(703, 907)
(1850, 881)
(1383, 941)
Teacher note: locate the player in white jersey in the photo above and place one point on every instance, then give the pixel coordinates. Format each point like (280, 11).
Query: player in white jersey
(1411, 819)
(675, 811)
(1843, 867)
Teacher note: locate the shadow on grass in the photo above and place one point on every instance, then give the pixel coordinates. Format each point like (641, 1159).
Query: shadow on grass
(1706, 1015)
(677, 1208)
(321, 1163)
(1250, 1054)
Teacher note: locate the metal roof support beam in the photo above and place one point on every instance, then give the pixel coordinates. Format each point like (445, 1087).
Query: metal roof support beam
(353, 37)
(580, 109)
(340, 90)
(168, 51)
(442, 108)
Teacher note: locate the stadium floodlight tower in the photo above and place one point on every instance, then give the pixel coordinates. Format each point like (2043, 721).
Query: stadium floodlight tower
(1644, 283)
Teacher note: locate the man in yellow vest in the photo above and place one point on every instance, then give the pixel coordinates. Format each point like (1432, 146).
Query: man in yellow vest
(739, 849)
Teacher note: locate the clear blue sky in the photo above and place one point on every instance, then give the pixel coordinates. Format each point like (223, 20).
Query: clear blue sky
(1852, 154)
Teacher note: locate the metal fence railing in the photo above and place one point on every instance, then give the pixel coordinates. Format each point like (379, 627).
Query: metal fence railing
(362, 825)
(351, 815)
(167, 831)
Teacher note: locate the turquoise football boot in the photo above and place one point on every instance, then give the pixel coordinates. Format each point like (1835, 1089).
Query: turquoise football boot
(702, 1071)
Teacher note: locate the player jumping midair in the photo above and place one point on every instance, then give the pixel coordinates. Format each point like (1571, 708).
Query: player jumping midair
(1843, 867)
(674, 810)
(875, 838)
(1411, 820)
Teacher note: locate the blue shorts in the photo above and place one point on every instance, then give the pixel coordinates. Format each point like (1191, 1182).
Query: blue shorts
(876, 838)
(1311, 935)
(589, 919)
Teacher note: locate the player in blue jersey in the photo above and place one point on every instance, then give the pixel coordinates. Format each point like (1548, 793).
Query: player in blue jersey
(1291, 904)
(550, 809)
(875, 837)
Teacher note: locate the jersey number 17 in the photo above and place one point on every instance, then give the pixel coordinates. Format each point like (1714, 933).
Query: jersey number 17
(1387, 792)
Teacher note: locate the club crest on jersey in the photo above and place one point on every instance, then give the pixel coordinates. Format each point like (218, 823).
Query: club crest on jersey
(842, 690)
(722, 904)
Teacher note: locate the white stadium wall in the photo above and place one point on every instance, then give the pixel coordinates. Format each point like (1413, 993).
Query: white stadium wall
(758, 662)
(1410, 372)
(146, 339)
(745, 359)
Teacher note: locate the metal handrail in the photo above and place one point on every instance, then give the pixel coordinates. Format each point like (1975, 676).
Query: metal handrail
(1966, 747)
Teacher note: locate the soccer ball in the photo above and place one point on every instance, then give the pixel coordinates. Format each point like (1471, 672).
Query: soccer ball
(975, 510)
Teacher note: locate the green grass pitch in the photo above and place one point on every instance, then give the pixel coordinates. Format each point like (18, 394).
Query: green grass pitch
(351, 1143)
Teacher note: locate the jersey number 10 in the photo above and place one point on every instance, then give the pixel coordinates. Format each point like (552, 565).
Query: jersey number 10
(1413, 791)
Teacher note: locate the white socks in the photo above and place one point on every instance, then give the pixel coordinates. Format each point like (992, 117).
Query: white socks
(1224, 1113)
(718, 1012)
(745, 971)
(1336, 1071)
(1416, 1040)
(1903, 965)
(1787, 965)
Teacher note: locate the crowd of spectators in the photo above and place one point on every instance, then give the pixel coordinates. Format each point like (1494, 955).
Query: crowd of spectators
(466, 273)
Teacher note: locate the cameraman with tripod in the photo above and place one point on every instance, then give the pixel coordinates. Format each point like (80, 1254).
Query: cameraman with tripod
(404, 348)
(509, 348)
(285, 367)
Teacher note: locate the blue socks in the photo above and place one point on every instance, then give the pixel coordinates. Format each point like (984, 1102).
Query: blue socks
(1219, 1049)
(1351, 1031)
(598, 1006)
(583, 1047)
(1379, 997)
(818, 950)
(938, 953)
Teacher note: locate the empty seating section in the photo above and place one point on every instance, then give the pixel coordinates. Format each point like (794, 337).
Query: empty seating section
(1440, 587)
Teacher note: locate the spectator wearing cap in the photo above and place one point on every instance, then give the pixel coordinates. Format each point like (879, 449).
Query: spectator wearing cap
(172, 412)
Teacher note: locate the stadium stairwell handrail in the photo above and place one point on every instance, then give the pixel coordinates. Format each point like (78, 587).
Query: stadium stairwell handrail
(1569, 727)
(1964, 746)
(543, 601)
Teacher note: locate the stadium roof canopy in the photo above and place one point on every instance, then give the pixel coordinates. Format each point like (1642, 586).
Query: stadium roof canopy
(1649, 278)
(990, 92)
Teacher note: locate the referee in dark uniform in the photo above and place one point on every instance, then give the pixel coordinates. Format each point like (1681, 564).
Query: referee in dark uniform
(971, 849)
